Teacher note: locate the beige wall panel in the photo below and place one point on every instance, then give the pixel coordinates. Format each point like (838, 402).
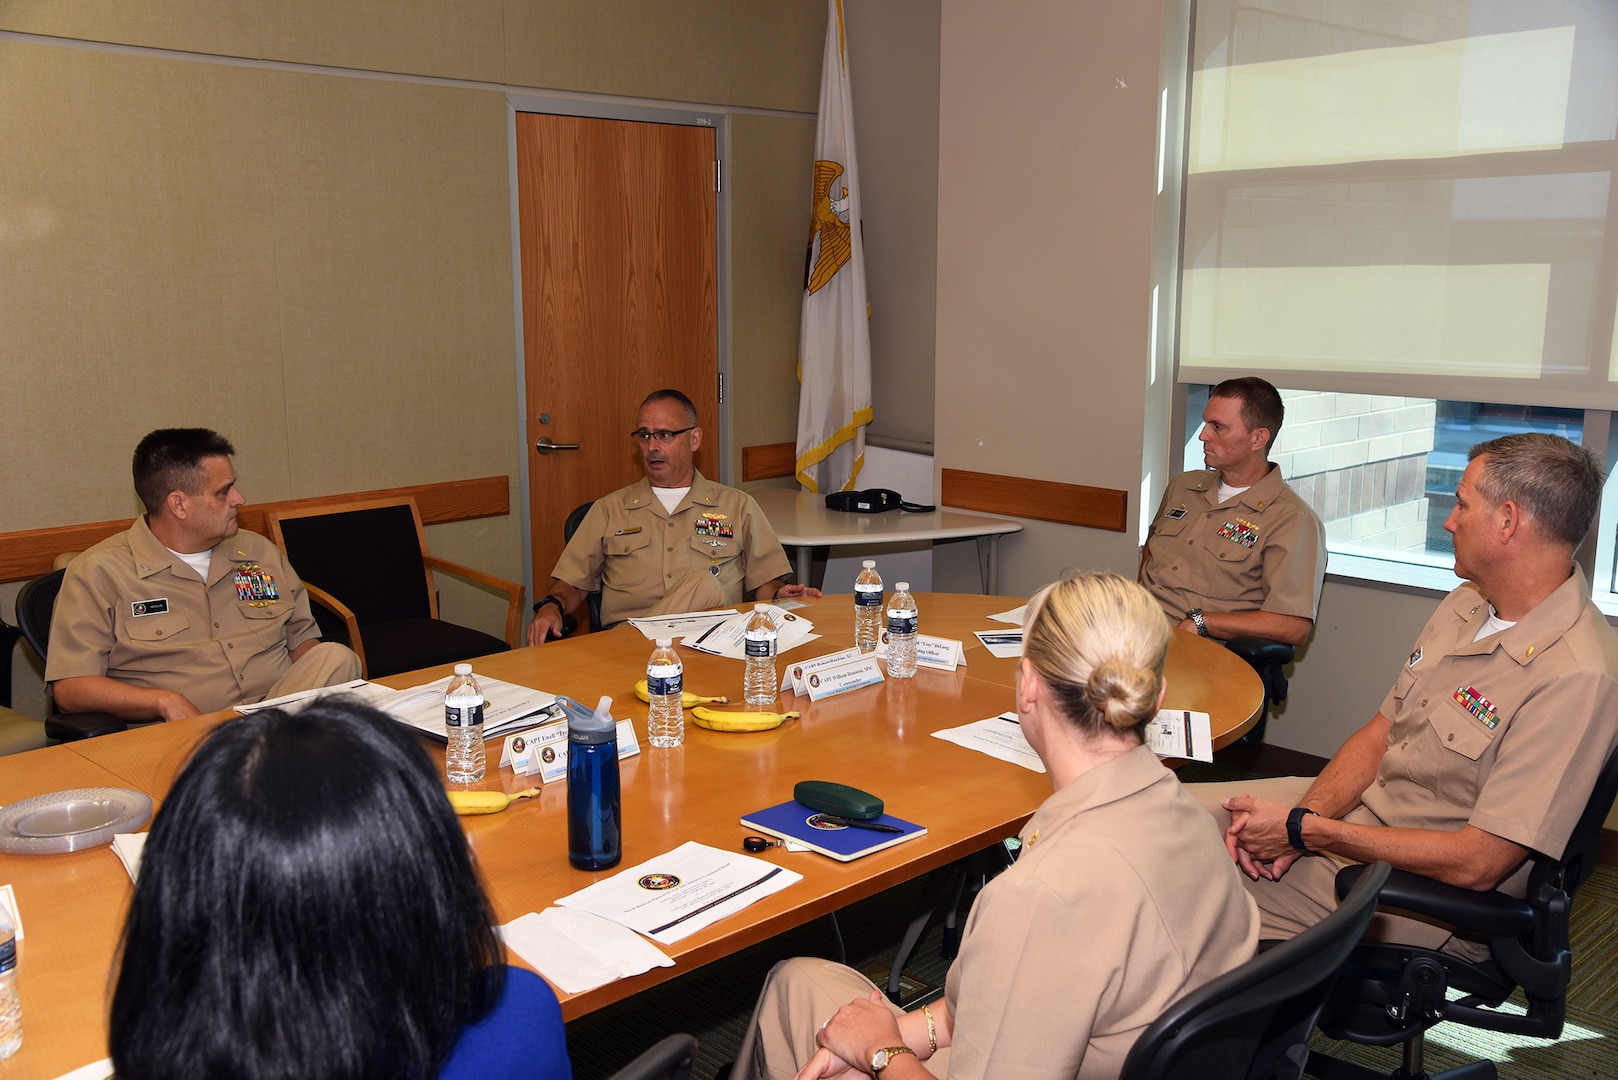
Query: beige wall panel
(770, 162)
(893, 68)
(132, 196)
(393, 224)
(1047, 152)
(719, 52)
(461, 39)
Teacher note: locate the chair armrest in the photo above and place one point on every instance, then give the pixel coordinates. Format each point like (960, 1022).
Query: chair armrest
(1258, 651)
(515, 591)
(1484, 912)
(71, 727)
(351, 624)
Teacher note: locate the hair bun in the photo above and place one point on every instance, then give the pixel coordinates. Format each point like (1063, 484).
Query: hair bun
(1122, 693)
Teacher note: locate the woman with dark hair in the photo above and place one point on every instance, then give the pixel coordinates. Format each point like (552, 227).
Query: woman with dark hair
(1122, 900)
(307, 907)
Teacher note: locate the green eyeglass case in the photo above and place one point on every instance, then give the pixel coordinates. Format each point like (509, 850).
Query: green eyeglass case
(838, 799)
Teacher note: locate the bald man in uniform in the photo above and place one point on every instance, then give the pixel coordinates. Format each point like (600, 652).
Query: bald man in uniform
(674, 541)
(184, 613)
(1489, 743)
(1233, 551)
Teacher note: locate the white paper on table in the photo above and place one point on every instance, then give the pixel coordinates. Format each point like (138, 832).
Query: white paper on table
(999, 737)
(368, 692)
(729, 638)
(579, 951)
(677, 626)
(129, 847)
(1015, 616)
(1006, 644)
(96, 1070)
(1180, 733)
(506, 706)
(672, 896)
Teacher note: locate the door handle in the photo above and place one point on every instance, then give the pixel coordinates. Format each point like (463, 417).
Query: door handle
(545, 446)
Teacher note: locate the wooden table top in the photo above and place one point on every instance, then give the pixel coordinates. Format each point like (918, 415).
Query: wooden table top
(877, 738)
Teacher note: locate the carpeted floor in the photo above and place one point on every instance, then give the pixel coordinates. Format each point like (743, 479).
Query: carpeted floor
(714, 1002)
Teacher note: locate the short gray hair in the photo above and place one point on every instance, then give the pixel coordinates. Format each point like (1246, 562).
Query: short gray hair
(1555, 480)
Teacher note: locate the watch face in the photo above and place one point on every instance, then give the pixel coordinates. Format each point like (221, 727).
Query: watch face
(879, 1060)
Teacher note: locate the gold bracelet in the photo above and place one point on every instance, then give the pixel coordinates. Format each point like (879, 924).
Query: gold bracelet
(932, 1030)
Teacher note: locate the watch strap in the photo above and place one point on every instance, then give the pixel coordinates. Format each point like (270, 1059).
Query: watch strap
(549, 599)
(1295, 827)
(1195, 615)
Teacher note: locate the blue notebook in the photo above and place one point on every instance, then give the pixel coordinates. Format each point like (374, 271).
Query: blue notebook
(794, 821)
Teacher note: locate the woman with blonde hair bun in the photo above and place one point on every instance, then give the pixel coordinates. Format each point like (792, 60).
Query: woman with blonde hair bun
(1123, 898)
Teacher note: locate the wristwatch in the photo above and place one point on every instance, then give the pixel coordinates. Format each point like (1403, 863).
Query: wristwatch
(1195, 615)
(1295, 827)
(548, 599)
(884, 1057)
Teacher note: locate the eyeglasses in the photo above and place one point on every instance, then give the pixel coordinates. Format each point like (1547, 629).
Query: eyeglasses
(659, 436)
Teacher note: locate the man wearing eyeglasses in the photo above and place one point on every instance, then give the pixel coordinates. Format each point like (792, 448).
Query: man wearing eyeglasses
(675, 541)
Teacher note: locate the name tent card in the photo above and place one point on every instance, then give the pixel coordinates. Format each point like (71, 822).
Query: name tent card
(834, 673)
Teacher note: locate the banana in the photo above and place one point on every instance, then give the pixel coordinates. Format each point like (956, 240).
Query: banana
(687, 701)
(485, 802)
(723, 720)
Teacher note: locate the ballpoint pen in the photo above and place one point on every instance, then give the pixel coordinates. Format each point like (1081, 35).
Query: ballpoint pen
(832, 819)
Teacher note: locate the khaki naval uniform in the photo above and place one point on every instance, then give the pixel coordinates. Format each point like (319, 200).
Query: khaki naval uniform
(1506, 734)
(713, 549)
(132, 610)
(1123, 900)
(1263, 550)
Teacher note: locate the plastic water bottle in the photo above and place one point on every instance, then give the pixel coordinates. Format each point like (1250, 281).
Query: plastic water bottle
(594, 816)
(665, 685)
(867, 607)
(463, 724)
(902, 623)
(10, 1007)
(759, 685)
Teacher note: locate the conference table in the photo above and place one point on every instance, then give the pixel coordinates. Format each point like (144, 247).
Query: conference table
(878, 738)
(802, 522)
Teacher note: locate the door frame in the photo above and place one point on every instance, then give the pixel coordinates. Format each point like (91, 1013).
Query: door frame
(603, 110)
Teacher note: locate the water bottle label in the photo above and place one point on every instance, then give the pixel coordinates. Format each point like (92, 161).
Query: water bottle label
(472, 715)
(867, 596)
(661, 680)
(8, 955)
(901, 622)
(761, 645)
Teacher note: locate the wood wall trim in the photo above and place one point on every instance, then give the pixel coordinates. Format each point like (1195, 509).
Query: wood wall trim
(1042, 500)
(766, 462)
(30, 552)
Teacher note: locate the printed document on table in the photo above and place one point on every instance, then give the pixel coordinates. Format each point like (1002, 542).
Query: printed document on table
(999, 737)
(1014, 616)
(368, 692)
(729, 638)
(506, 706)
(1179, 733)
(674, 895)
(1005, 644)
(678, 626)
(579, 951)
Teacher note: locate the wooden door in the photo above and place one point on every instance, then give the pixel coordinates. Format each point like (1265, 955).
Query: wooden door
(620, 298)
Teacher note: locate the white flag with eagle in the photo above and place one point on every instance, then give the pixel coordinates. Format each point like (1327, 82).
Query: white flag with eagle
(834, 342)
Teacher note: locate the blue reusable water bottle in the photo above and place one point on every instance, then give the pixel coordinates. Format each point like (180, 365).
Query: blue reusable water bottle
(594, 819)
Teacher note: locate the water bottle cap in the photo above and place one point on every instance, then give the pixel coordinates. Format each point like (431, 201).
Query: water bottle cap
(902, 586)
(664, 643)
(463, 669)
(869, 564)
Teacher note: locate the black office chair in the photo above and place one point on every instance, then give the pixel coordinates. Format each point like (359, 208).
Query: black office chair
(365, 562)
(1254, 1023)
(1391, 994)
(1269, 659)
(36, 603)
(669, 1059)
(591, 600)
